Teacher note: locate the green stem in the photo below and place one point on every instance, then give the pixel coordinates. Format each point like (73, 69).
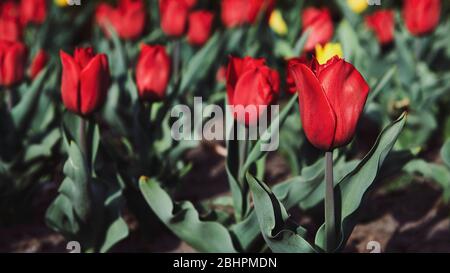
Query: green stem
(9, 99)
(82, 137)
(176, 59)
(330, 217)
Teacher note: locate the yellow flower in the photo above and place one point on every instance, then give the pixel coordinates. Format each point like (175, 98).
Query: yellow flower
(357, 6)
(277, 23)
(61, 3)
(323, 54)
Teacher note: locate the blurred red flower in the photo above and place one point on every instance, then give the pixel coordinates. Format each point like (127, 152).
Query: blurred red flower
(421, 16)
(320, 26)
(153, 72)
(251, 83)
(33, 11)
(39, 62)
(238, 12)
(13, 56)
(382, 23)
(85, 80)
(10, 28)
(128, 18)
(173, 16)
(331, 98)
(200, 24)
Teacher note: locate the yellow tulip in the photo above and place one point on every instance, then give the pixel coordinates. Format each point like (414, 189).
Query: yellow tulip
(357, 6)
(323, 54)
(61, 3)
(277, 23)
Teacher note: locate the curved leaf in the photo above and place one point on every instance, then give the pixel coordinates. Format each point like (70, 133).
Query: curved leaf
(183, 220)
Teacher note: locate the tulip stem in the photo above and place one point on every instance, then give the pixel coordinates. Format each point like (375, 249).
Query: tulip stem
(176, 59)
(9, 99)
(82, 135)
(330, 217)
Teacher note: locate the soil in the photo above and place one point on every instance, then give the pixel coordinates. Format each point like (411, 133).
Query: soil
(412, 219)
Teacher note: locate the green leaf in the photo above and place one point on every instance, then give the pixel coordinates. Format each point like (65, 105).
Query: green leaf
(272, 132)
(22, 112)
(353, 187)
(183, 220)
(201, 62)
(279, 232)
(300, 44)
(445, 153)
(433, 171)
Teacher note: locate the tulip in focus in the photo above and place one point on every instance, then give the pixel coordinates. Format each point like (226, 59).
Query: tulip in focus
(153, 72)
(357, 6)
(382, 23)
(200, 23)
(331, 98)
(325, 53)
(85, 80)
(250, 82)
(277, 23)
(33, 11)
(421, 16)
(128, 18)
(319, 24)
(38, 63)
(12, 62)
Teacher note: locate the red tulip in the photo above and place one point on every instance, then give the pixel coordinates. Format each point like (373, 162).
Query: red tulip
(153, 72)
(10, 28)
(251, 83)
(12, 62)
(238, 12)
(200, 23)
(85, 80)
(382, 23)
(174, 14)
(331, 98)
(320, 26)
(128, 19)
(38, 63)
(33, 11)
(290, 82)
(421, 16)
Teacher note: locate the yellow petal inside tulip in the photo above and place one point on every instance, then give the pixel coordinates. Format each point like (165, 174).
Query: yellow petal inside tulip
(324, 53)
(61, 3)
(277, 23)
(357, 6)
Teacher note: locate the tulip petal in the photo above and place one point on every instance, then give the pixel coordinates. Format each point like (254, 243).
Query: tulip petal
(94, 83)
(318, 117)
(14, 64)
(347, 92)
(70, 82)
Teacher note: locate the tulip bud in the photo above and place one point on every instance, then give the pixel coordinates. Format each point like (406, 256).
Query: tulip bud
(85, 80)
(421, 16)
(174, 14)
(12, 62)
(251, 83)
(319, 24)
(237, 12)
(153, 72)
(200, 23)
(331, 98)
(10, 28)
(38, 63)
(128, 18)
(382, 23)
(33, 11)
(277, 23)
